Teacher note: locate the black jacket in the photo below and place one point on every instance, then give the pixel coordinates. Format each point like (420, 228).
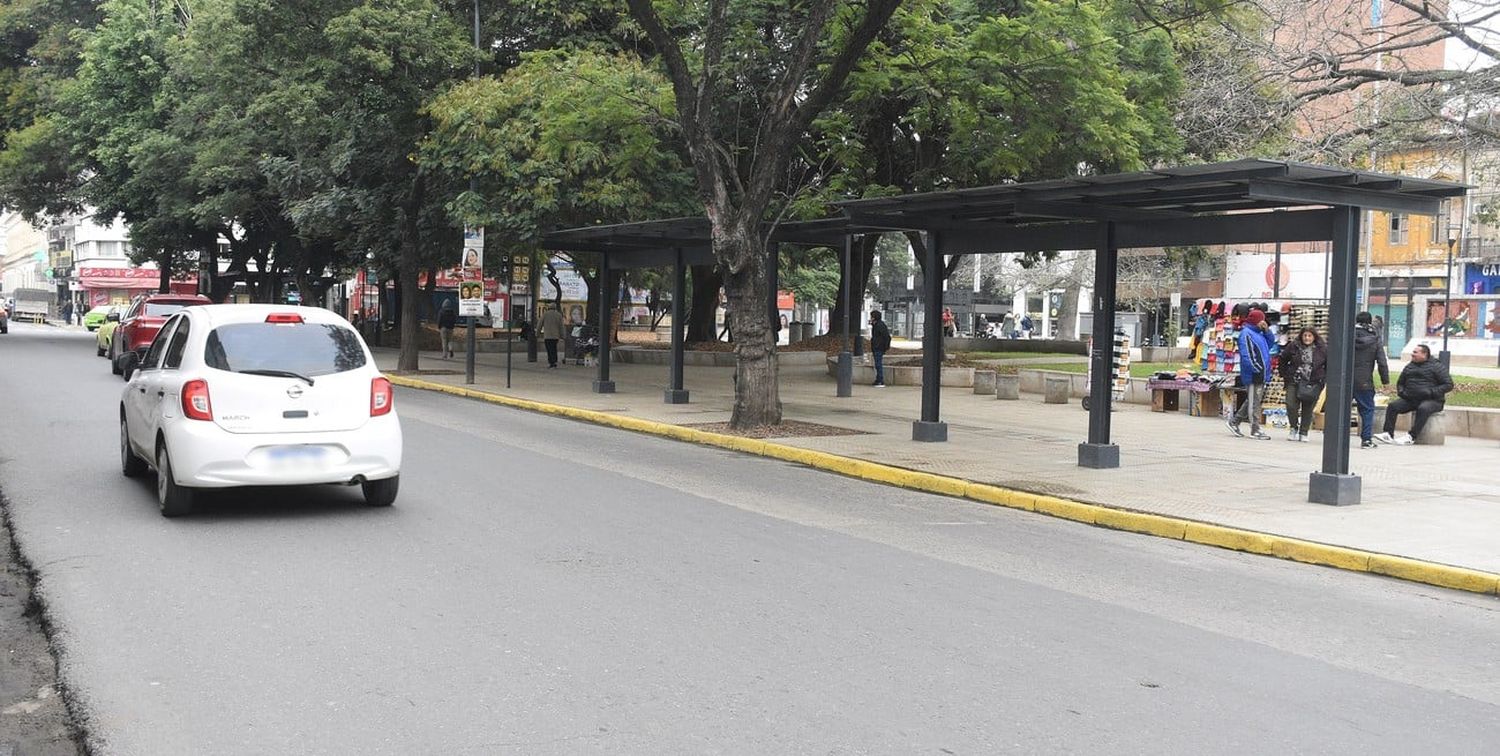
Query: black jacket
(1291, 359)
(1424, 381)
(447, 318)
(1368, 354)
(880, 336)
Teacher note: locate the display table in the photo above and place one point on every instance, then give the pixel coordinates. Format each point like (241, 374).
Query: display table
(1166, 396)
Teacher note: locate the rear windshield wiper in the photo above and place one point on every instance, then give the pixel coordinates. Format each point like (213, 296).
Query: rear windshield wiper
(278, 374)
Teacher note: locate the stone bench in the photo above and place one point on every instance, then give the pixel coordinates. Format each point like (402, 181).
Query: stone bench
(1435, 432)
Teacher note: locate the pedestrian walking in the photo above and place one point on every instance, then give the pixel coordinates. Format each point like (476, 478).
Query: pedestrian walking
(1369, 354)
(1422, 389)
(552, 332)
(447, 319)
(880, 343)
(1304, 369)
(1008, 326)
(950, 327)
(1026, 326)
(1255, 368)
(67, 312)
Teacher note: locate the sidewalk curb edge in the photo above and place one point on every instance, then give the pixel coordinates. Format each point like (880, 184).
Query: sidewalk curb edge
(1144, 523)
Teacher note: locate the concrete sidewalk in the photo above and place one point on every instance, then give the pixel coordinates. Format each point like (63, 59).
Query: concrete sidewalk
(1433, 503)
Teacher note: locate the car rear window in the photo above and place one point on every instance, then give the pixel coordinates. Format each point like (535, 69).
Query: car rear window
(162, 309)
(308, 349)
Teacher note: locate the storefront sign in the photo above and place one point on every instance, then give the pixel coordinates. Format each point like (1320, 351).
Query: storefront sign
(1303, 276)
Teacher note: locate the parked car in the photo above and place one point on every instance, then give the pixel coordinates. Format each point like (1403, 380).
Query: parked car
(95, 317)
(106, 332)
(258, 395)
(139, 324)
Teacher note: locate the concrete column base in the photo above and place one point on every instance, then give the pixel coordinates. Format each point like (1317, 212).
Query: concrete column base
(922, 430)
(1333, 489)
(674, 396)
(1099, 456)
(604, 387)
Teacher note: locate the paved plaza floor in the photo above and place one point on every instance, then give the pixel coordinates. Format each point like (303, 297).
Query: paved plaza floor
(1436, 503)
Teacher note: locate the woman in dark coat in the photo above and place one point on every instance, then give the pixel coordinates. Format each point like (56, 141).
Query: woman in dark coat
(1304, 370)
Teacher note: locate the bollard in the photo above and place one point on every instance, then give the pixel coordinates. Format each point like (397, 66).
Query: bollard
(1055, 389)
(1008, 386)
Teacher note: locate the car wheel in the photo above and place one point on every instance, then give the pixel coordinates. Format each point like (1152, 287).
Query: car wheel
(381, 493)
(131, 465)
(175, 500)
(114, 360)
(98, 350)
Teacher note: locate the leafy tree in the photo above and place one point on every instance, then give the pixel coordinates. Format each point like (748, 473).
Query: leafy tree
(783, 63)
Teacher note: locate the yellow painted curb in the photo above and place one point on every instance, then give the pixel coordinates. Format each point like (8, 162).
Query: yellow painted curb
(1434, 574)
(1206, 534)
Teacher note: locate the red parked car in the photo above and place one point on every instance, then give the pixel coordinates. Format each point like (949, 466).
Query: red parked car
(146, 316)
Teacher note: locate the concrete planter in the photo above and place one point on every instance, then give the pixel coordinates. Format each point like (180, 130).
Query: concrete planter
(638, 356)
(904, 374)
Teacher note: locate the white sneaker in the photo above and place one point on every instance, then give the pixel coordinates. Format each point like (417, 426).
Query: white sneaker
(1292, 436)
(1302, 437)
(1404, 439)
(1384, 438)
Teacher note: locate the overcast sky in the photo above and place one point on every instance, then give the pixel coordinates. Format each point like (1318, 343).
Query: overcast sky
(1459, 55)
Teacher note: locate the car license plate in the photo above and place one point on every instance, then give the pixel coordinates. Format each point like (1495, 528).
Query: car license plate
(297, 456)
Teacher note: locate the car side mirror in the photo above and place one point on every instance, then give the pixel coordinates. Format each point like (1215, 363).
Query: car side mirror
(113, 317)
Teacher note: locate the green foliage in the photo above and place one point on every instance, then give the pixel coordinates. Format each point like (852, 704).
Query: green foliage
(812, 275)
(563, 139)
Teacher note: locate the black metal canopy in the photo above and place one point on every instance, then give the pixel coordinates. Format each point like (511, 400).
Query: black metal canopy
(1218, 203)
(1237, 202)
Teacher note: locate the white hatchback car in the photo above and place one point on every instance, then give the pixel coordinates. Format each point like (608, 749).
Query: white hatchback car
(259, 395)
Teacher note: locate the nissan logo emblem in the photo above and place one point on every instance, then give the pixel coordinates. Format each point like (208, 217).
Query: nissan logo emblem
(294, 392)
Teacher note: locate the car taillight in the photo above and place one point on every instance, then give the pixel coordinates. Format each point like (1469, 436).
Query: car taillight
(381, 397)
(283, 317)
(195, 404)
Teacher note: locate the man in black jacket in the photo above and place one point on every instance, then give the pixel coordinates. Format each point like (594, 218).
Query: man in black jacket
(1369, 353)
(880, 341)
(1420, 389)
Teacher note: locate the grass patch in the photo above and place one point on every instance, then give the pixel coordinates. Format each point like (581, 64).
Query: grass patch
(1014, 355)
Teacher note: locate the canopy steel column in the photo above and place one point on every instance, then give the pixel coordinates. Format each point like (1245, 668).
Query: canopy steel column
(1333, 484)
(676, 394)
(603, 385)
(929, 428)
(846, 360)
(1098, 452)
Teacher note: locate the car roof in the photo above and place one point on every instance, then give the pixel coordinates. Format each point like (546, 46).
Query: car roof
(223, 314)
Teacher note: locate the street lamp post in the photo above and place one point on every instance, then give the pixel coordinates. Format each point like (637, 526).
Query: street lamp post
(1443, 356)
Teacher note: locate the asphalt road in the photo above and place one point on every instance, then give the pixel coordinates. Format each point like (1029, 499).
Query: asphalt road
(544, 586)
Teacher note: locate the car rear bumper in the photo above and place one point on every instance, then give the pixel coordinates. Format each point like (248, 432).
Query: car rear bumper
(205, 456)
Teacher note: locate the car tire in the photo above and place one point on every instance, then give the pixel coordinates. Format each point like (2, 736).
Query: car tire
(98, 350)
(114, 361)
(175, 500)
(131, 465)
(381, 493)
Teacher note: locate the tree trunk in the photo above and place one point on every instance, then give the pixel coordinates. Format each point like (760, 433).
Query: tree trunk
(757, 394)
(164, 273)
(864, 261)
(1068, 314)
(703, 304)
(407, 276)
